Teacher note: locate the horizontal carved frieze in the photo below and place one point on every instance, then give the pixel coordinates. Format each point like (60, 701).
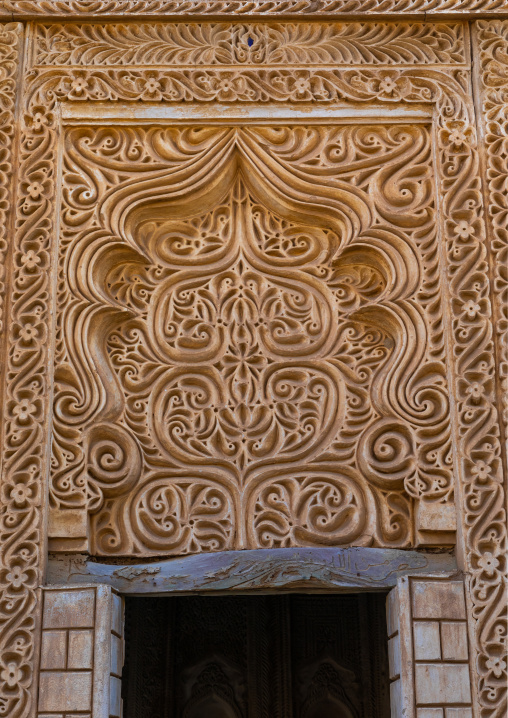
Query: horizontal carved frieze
(179, 44)
(188, 8)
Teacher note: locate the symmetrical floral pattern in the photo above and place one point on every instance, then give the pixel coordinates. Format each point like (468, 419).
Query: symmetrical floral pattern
(253, 347)
(466, 325)
(177, 44)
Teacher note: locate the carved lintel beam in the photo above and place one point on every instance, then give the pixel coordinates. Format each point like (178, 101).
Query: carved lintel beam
(263, 570)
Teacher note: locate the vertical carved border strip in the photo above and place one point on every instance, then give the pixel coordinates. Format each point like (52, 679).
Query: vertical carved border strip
(19, 512)
(491, 42)
(10, 50)
(487, 520)
(477, 448)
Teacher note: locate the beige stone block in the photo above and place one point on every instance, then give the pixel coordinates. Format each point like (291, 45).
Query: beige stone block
(439, 683)
(68, 523)
(69, 609)
(437, 517)
(117, 617)
(64, 692)
(459, 713)
(80, 649)
(438, 599)
(427, 646)
(394, 657)
(429, 713)
(115, 697)
(392, 612)
(396, 699)
(53, 650)
(454, 641)
(116, 656)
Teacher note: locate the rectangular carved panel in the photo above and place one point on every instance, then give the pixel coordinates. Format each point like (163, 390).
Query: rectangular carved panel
(249, 347)
(273, 44)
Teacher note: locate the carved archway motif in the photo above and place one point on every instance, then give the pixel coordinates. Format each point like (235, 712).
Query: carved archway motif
(245, 357)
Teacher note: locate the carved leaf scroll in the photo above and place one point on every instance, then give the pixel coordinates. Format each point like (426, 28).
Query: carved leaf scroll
(227, 344)
(180, 44)
(189, 8)
(28, 366)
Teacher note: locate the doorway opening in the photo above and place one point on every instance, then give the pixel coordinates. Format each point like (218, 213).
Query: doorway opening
(284, 656)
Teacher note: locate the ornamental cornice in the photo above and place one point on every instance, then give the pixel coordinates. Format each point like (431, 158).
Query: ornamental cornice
(165, 9)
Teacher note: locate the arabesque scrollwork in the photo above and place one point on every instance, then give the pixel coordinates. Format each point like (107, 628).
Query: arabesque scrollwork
(193, 313)
(264, 331)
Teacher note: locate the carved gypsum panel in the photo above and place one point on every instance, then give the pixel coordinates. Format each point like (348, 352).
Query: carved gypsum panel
(217, 367)
(190, 8)
(181, 44)
(29, 362)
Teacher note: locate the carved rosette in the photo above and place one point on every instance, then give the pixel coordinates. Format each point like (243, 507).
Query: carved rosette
(113, 448)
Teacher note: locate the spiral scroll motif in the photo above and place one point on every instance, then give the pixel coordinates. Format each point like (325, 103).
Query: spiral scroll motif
(262, 334)
(28, 377)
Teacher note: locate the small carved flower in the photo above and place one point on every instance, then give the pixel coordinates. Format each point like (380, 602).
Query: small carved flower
(388, 85)
(28, 333)
(481, 470)
(79, 85)
(488, 562)
(39, 120)
(24, 410)
(16, 577)
(30, 260)
(458, 138)
(11, 674)
(20, 494)
(497, 665)
(302, 85)
(471, 309)
(35, 190)
(475, 391)
(152, 86)
(226, 88)
(464, 229)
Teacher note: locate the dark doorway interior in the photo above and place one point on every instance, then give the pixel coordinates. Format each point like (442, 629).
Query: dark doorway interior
(292, 656)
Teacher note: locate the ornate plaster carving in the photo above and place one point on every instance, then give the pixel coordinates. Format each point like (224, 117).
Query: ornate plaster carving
(486, 521)
(177, 44)
(20, 494)
(9, 60)
(249, 349)
(189, 8)
(29, 374)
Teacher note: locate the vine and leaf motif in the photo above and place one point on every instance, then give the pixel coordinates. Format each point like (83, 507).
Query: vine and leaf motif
(468, 326)
(217, 366)
(181, 44)
(486, 524)
(190, 8)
